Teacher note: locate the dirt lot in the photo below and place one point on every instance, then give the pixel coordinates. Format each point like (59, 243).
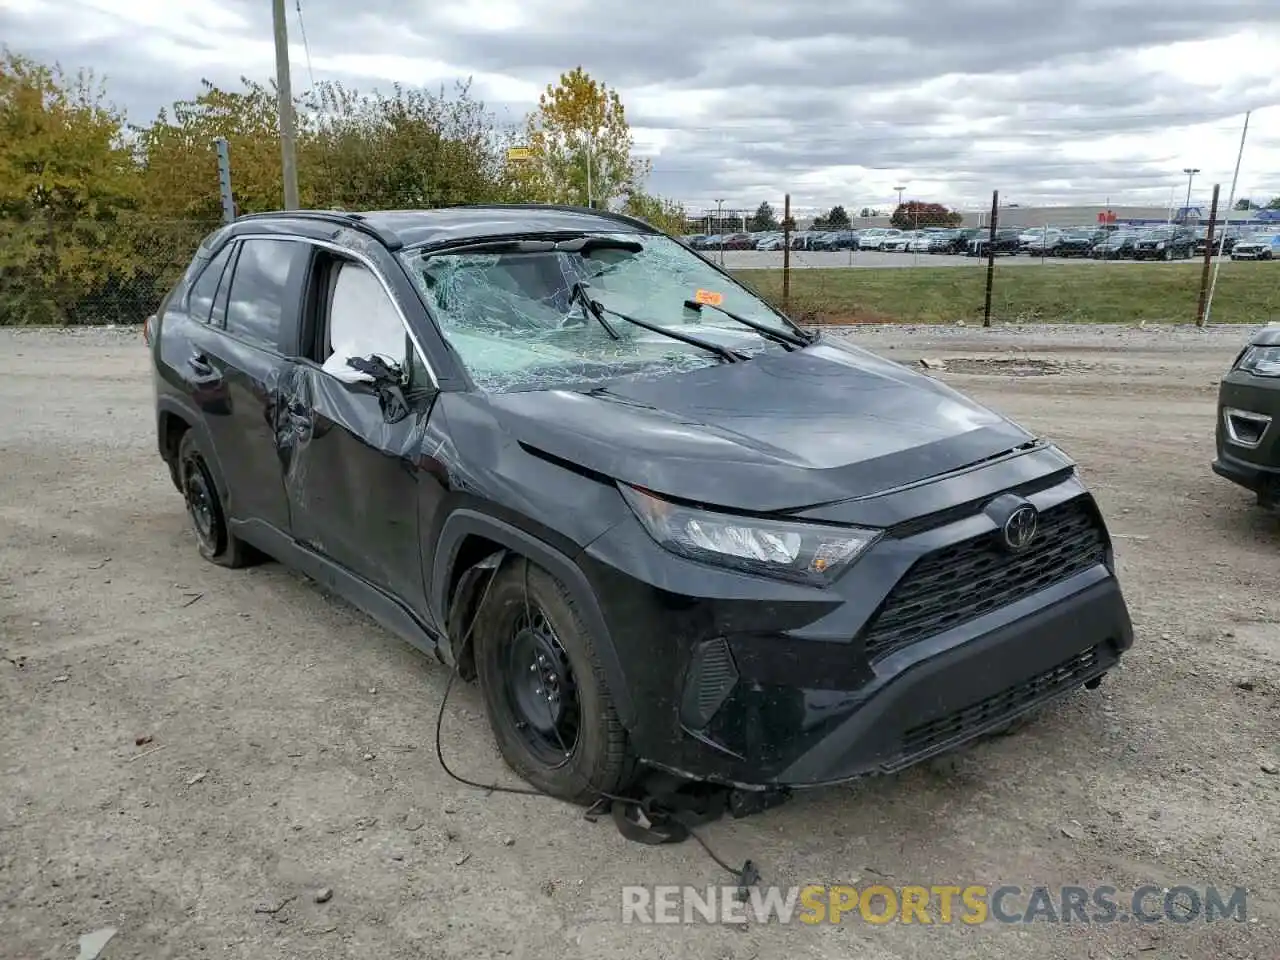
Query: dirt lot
(291, 740)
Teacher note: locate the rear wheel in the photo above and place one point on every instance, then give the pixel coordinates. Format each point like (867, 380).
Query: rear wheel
(216, 542)
(548, 704)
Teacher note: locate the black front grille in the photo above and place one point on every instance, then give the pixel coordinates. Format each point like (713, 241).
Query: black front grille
(965, 580)
(927, 738)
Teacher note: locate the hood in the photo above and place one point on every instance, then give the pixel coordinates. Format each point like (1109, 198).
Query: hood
(781, 432)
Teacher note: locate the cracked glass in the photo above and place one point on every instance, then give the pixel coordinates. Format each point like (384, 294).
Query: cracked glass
(514, 319)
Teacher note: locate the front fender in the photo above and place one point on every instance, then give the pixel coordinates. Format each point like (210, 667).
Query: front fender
(464, 522)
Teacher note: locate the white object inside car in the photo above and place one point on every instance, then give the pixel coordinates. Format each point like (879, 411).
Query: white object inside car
(363, 322)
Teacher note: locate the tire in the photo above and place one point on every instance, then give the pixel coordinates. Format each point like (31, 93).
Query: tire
(216, 542)
(530, 638)
(1168, 253)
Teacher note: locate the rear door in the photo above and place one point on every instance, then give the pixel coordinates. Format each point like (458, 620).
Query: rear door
(234, 368)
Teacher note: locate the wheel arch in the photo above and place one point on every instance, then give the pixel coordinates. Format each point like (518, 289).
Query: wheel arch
(173, 421)
(468, 538)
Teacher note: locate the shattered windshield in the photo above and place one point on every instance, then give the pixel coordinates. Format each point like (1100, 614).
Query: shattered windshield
(513, 313)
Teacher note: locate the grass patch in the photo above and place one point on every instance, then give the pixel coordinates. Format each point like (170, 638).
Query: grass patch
(1031, 293)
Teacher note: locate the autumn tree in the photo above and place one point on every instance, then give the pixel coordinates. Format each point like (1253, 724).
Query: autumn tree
(914, 214)
(411, 148)
(66, 177)
(669, 216)
(765, 219)
(580, 145)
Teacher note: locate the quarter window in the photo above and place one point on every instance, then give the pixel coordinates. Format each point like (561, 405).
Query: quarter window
(206, 287)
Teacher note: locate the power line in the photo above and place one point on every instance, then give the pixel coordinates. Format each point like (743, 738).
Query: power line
(306, 47)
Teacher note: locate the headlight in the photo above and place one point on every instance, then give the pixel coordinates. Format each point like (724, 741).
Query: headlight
(1260, 361)
(804, 552)
(1160, 245)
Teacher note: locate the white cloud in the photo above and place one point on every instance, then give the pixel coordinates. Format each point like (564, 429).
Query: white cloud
(1072, 102)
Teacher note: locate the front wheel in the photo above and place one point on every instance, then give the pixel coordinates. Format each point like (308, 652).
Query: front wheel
(548, 704)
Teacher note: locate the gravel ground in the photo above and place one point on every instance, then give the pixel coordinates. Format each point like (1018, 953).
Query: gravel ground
(290, 741)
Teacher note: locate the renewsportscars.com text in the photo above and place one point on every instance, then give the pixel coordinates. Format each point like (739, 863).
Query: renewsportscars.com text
(945, 904)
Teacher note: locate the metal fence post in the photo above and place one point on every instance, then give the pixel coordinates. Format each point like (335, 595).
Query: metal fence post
(224, 179)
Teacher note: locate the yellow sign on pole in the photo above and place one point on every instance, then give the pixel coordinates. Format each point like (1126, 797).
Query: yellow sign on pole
(519, 153)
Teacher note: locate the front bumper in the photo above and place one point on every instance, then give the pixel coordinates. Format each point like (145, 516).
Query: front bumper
(757, 684)
(1244, 456)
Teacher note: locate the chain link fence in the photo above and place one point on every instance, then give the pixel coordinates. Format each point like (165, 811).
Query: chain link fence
(56, 271)
(1103, 262)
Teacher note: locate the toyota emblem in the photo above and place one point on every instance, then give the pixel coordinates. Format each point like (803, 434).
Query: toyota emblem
(1020, 529)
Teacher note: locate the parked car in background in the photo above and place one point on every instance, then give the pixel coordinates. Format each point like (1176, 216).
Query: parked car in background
(657, 532)
(952, 241)
(1078, 242)
(898, 242)
(1165, 243)
(1045, 243)
(918, 242)
(1006, 243)
(1260, 246)
(1118, 246)
(1224, 238)
(770, 241)
(876, 237)
(1247, 435)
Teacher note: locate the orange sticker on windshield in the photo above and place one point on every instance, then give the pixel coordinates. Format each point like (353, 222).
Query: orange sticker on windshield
(709, 297)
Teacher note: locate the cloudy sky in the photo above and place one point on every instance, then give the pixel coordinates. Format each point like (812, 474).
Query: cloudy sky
(835, 101)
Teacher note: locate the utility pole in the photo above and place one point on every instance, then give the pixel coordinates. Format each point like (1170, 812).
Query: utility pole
(284, 103)
(720, 228)
(590, 196)
(1190, 172)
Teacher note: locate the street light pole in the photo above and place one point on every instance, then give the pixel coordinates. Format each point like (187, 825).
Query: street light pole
(899, 189)
(1190, 172)
(284, 104)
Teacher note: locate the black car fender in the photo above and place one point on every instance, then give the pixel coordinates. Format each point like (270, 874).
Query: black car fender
(168, 407)
(463, 523)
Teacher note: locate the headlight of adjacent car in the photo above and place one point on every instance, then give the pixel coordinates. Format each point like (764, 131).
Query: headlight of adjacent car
(1260, 361)
(803, 552)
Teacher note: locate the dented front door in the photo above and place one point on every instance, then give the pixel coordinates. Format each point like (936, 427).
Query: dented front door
(351, 478)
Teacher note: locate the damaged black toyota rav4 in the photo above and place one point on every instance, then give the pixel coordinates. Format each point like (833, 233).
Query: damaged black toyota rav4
(661, 525)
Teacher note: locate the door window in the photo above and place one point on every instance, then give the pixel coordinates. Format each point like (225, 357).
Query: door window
(259, 287)
(363, 322)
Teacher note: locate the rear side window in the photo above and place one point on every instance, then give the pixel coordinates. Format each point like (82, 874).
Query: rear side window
(200, 303)
(259, 286)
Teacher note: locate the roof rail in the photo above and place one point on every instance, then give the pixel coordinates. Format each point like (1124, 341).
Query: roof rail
(562, 207)
(342, 218)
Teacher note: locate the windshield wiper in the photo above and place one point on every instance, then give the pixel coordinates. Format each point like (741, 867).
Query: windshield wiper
(579, 293)
(784, 337)
(724, 353)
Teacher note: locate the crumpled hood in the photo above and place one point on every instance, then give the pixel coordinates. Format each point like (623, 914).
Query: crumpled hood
(781, 432)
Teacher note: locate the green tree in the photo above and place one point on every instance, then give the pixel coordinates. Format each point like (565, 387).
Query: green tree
(914, 214)
(67, 177)
(837, 219)
(579, 138)
(1244, 203)
(764, 219)
(1274, 204)
(669, 216)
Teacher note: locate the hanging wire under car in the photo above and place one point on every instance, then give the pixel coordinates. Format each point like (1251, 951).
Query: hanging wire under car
(654, 824)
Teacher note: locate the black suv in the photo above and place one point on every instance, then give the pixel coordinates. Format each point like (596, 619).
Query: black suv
(660, 524)
(1165, 243)
(1006, 242)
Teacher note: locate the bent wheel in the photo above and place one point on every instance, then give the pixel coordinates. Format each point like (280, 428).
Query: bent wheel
(548, 705)
(216, 542)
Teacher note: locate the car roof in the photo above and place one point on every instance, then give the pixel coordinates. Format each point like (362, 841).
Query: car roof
(446, 225)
